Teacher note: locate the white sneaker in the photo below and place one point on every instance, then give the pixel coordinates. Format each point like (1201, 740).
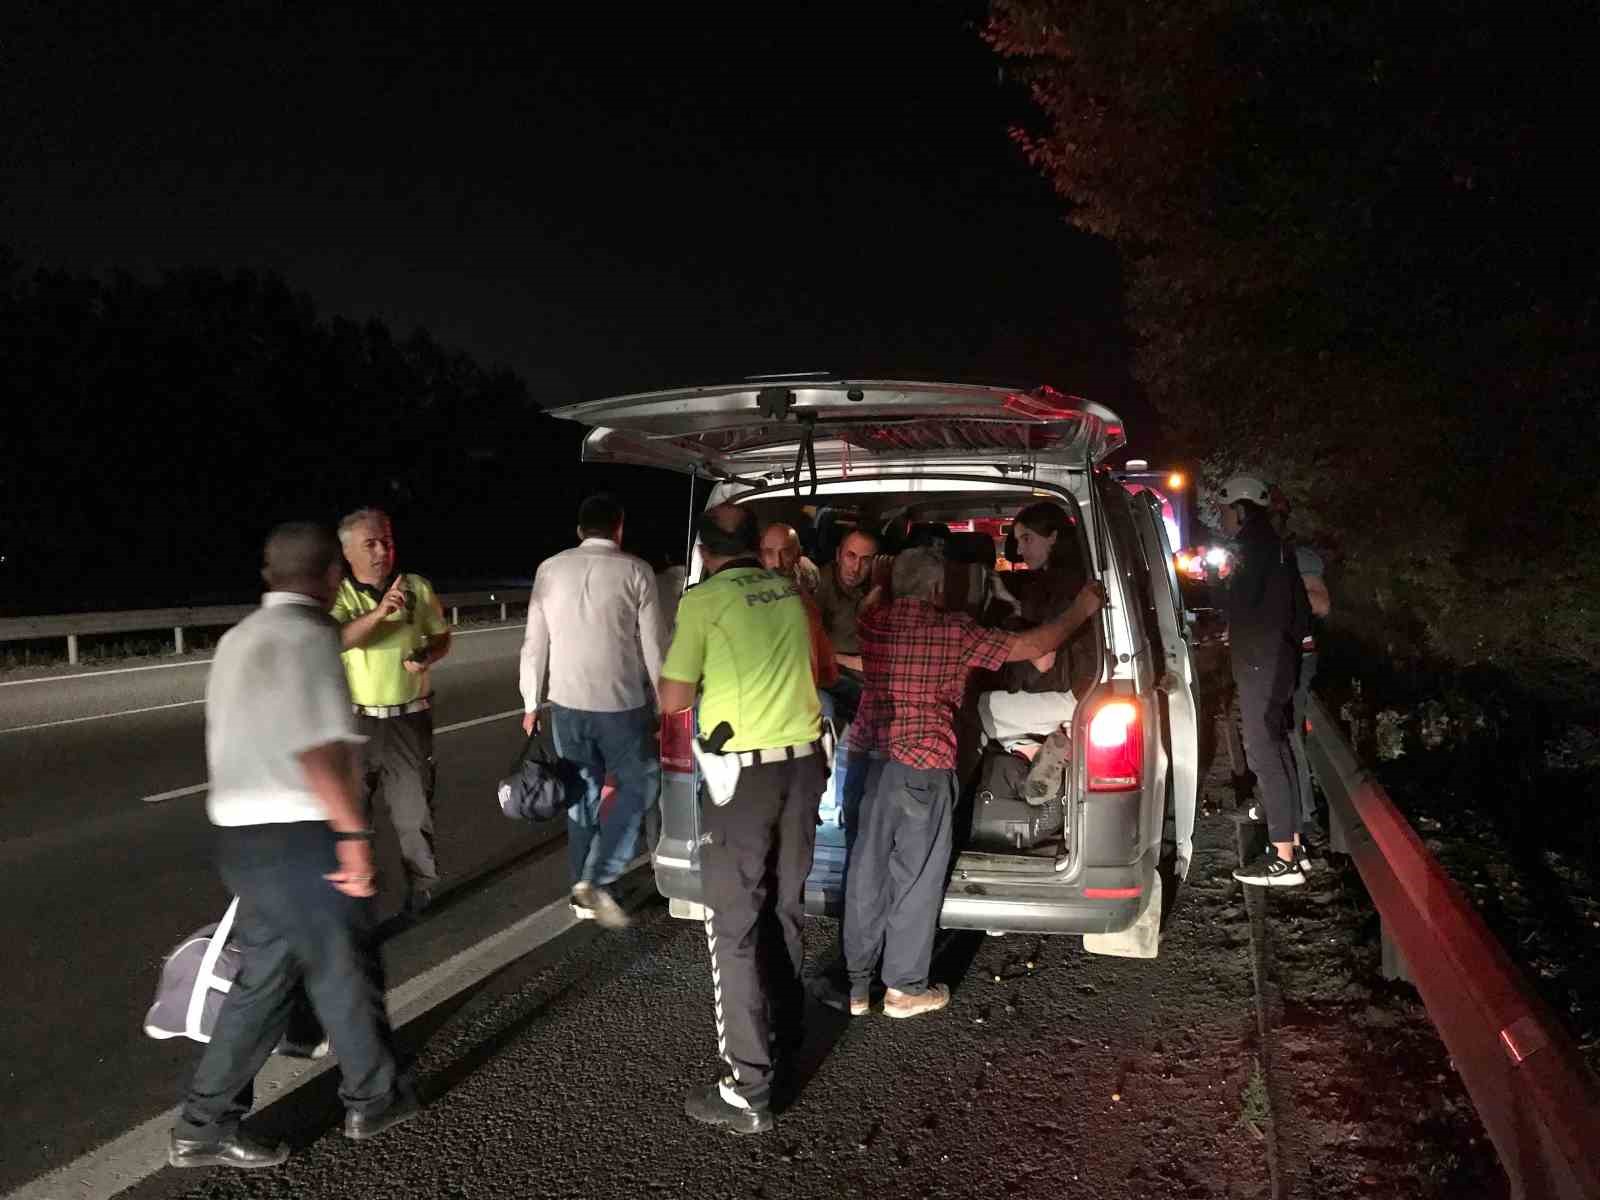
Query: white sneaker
(1271, 871)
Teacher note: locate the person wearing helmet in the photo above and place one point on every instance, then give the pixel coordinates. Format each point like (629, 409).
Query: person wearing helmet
(1268, 615)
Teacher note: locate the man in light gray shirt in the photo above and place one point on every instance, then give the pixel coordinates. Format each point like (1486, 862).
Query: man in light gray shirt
(592, 653)
(295, 849)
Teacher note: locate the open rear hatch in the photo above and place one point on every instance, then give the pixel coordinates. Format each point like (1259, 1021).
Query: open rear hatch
(766, 430)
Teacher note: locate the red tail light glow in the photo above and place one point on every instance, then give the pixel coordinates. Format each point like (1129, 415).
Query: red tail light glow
(1116, 747)
(677, 729)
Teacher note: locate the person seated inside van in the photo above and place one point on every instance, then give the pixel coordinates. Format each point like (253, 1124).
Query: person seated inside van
(1033, 709)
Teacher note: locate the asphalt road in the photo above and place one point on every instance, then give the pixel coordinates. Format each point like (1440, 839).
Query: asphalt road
(1054, 1073)
(563, 1073)
(98, 880)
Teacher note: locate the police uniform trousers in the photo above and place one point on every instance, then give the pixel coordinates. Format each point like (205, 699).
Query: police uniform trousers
(753, 871)
(397, 769)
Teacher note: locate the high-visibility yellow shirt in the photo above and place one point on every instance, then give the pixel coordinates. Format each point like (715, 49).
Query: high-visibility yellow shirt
(377, 671)
(745, 637)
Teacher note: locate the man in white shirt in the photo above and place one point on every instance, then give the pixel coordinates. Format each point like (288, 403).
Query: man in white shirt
(592, 652)
(295, 849)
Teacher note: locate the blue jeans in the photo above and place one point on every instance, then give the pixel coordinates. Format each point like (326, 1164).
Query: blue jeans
(839, 703)
(620, 744)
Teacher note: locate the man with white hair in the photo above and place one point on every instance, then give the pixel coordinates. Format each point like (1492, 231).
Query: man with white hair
(392, 629)
(917, 658)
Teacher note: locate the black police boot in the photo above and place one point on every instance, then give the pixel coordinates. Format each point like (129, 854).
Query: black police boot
(708, 1106)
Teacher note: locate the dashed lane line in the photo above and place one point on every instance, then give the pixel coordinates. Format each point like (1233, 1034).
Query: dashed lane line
(158, 797)
(200, 662)
(127, 712)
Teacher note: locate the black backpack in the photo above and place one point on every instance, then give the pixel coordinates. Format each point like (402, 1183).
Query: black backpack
(541, 785)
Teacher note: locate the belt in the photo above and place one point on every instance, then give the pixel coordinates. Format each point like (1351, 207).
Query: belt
(755, 758)
(393, 710)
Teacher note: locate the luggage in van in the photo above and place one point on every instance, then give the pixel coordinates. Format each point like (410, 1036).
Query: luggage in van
(1002, 821)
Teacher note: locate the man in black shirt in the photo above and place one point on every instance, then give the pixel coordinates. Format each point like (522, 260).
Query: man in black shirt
(1268, 615)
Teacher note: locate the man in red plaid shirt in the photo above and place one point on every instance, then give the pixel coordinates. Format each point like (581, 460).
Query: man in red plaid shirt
(917, 659)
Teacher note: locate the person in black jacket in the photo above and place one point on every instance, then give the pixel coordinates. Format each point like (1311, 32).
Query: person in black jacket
(1268, 615)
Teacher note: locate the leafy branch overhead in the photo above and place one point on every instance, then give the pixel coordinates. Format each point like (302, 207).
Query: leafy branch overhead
(1358, 253)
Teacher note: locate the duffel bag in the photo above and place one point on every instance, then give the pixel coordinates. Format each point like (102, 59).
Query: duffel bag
(540, 785)
(195, 978)
(1002, 821)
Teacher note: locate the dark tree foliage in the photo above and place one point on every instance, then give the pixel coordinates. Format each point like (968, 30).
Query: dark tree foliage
(1361, 251)
(155, 429)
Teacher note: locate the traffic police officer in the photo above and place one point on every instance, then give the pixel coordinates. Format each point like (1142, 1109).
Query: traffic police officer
(392, 629)
(746, 644)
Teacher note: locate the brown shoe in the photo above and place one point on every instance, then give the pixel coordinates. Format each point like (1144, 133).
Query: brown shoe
(903, 1004)
(859, 1008)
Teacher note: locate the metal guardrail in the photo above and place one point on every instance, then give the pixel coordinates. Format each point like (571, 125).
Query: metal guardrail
(1538, 1100)
(73, 625)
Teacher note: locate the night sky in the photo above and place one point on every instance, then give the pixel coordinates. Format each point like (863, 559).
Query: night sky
(599, 203)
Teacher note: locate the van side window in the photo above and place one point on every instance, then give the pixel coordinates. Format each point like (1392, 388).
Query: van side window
(1130, 560)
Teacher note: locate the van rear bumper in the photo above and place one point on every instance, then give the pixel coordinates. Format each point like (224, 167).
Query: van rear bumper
(1051, 907)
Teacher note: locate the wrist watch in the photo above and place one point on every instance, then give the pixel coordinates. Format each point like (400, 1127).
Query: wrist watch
(352, 835)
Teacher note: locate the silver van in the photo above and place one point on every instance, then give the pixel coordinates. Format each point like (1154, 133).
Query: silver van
(967, 458)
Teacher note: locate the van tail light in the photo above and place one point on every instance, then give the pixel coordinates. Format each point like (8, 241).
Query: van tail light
(1116, 747)
(677, 731)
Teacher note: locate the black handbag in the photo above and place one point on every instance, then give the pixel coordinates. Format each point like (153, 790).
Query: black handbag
(541, 785)
(1002, 821)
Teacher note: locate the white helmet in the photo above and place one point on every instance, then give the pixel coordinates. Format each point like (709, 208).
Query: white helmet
(1246, 487)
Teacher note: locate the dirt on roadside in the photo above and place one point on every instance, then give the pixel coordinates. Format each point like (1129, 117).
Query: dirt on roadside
(1366, 1102)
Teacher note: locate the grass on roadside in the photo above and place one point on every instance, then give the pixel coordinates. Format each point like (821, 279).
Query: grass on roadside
(1253, 1110)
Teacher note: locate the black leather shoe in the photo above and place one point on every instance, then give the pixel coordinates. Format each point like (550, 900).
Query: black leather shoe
(358, 1127)
(237, 1151)
(707, 1106)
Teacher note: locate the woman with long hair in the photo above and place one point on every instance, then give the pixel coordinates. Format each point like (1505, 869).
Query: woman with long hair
(1046, 538)
(1039, 696)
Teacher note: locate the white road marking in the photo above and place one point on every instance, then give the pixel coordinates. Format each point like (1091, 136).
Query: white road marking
(200, 662)
(499, 716)
(130, 712)
(197, 662)
(142, 1151)
(173, 795)
(158, 797)
(127, 712)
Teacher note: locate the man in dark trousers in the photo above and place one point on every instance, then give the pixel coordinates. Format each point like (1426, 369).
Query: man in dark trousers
(1268, 616)
(294, 847)
(1309, 562)
(392, 628)
(917, 658)
(747, 645)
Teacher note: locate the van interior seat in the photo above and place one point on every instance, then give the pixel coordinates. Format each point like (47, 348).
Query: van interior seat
(974, 548)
